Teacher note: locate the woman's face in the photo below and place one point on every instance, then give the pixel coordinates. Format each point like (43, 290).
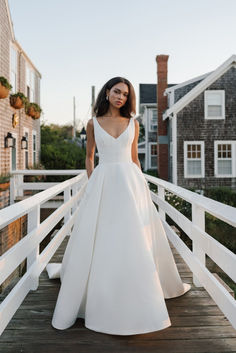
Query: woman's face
(118, 94)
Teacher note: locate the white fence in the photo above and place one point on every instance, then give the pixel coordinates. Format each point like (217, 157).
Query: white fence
(202, 242)
(28, 247)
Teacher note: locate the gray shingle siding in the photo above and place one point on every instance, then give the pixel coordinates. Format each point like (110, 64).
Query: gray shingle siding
(182, 91)
(191, 125)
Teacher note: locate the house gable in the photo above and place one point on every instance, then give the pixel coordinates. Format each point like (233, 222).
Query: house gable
(200, 87)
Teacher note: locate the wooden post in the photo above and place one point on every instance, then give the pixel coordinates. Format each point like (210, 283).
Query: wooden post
(161, 194)
(33, 223)
(198, 218)
(67, 196)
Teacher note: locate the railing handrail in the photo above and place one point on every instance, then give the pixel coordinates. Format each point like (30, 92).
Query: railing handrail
(222, 211)
(47, 172)
(13, 212)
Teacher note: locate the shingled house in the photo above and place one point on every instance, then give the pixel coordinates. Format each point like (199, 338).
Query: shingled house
(18, 69)
(15, 126)
(201, 120)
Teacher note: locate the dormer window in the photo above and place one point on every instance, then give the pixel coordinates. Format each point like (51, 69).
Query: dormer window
(214, 104)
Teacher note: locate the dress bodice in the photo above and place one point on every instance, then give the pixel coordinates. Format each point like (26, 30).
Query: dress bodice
(111, 149)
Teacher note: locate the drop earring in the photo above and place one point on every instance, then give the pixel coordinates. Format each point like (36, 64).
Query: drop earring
(107, 98)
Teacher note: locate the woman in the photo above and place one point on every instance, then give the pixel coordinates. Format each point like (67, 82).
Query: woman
(118, 267)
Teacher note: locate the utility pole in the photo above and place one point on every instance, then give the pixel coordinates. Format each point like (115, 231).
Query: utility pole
(93, 100)
(74, 125)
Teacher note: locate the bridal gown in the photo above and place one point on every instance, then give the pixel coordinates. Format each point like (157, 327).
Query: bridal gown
(118, 267)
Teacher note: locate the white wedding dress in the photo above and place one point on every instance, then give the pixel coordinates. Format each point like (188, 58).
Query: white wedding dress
(118, 267)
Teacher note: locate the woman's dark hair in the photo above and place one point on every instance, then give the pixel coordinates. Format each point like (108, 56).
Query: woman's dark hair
(101, 105)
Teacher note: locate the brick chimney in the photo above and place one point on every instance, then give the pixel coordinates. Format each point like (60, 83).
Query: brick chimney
(162, 138)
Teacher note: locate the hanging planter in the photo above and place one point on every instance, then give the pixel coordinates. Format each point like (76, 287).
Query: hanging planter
(33, 110)
(5, 87)
(4, 181)
(18, 100)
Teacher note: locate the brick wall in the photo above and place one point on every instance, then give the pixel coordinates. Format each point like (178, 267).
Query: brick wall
(11, 234)
(6, 111)
(191, 125)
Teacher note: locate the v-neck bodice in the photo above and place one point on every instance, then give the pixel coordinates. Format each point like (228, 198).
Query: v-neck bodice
(110, 148)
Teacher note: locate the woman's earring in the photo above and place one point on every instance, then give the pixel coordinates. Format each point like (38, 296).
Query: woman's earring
(107, 98)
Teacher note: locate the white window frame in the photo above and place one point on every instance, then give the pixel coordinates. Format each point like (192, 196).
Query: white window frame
(34, 133)
(14, 70)
(30, 78)
(150, 118)
(150, 155)
(206, 94)
(14, 134)
(233, 158)
(202, 144)
(25, 129)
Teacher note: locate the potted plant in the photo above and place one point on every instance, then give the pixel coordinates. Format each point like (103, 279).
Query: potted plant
(18, 100)
(5, 87)
(33, 110)
(4, 181)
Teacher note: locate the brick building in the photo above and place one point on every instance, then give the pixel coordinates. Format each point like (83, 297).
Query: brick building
(19, 70)
(199, 133)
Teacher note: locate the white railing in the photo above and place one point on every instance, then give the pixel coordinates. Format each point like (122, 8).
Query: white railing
(18, 185)
(28, 246)
(202, 242)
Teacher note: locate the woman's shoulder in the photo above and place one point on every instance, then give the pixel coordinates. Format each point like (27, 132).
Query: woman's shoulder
(90, 123)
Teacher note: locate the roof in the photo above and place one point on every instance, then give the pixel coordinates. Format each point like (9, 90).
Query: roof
(185, 83)
(15, 41)
(148, 93)
(199, 88)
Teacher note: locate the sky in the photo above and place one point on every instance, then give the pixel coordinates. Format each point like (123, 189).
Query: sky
(76, 44)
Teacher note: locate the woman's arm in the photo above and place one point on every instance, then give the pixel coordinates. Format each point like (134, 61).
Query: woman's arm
(134, 150)
(90, 148)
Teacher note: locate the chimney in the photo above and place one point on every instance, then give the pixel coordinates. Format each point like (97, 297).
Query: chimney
(162, 138)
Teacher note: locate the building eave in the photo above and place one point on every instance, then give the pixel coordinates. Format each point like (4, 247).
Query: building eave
(213, 76)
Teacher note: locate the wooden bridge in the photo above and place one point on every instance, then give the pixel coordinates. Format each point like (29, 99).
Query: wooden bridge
(203, 319)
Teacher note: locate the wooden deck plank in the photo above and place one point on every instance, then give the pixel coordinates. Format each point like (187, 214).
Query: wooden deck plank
(198, 325)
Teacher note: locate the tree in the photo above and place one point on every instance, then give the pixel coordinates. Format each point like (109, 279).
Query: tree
(58, 150)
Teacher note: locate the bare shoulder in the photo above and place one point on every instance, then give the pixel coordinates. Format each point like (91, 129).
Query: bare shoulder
(90, 124)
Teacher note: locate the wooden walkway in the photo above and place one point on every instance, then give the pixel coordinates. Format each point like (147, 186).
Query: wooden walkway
(197, 325)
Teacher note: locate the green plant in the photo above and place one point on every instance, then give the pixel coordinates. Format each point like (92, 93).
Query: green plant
(35, 106)
(4, 82)
(21, 96)
(4, 178)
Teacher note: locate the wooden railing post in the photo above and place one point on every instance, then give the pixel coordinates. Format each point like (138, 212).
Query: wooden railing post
(161, 194)
(67, 196)
(12, 189)
(74, 191)
(198, 218)
(19, 185)
(33, 223)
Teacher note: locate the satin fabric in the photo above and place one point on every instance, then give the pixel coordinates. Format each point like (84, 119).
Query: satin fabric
(118, 267)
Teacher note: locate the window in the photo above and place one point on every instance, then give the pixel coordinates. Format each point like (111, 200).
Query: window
(26, 151)
(153, 154)
(30, 84)
(214, 104)
(153, 119)
(34, 147)
(194, 159)
(14, 152)
(225, 158)
(13, 69)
